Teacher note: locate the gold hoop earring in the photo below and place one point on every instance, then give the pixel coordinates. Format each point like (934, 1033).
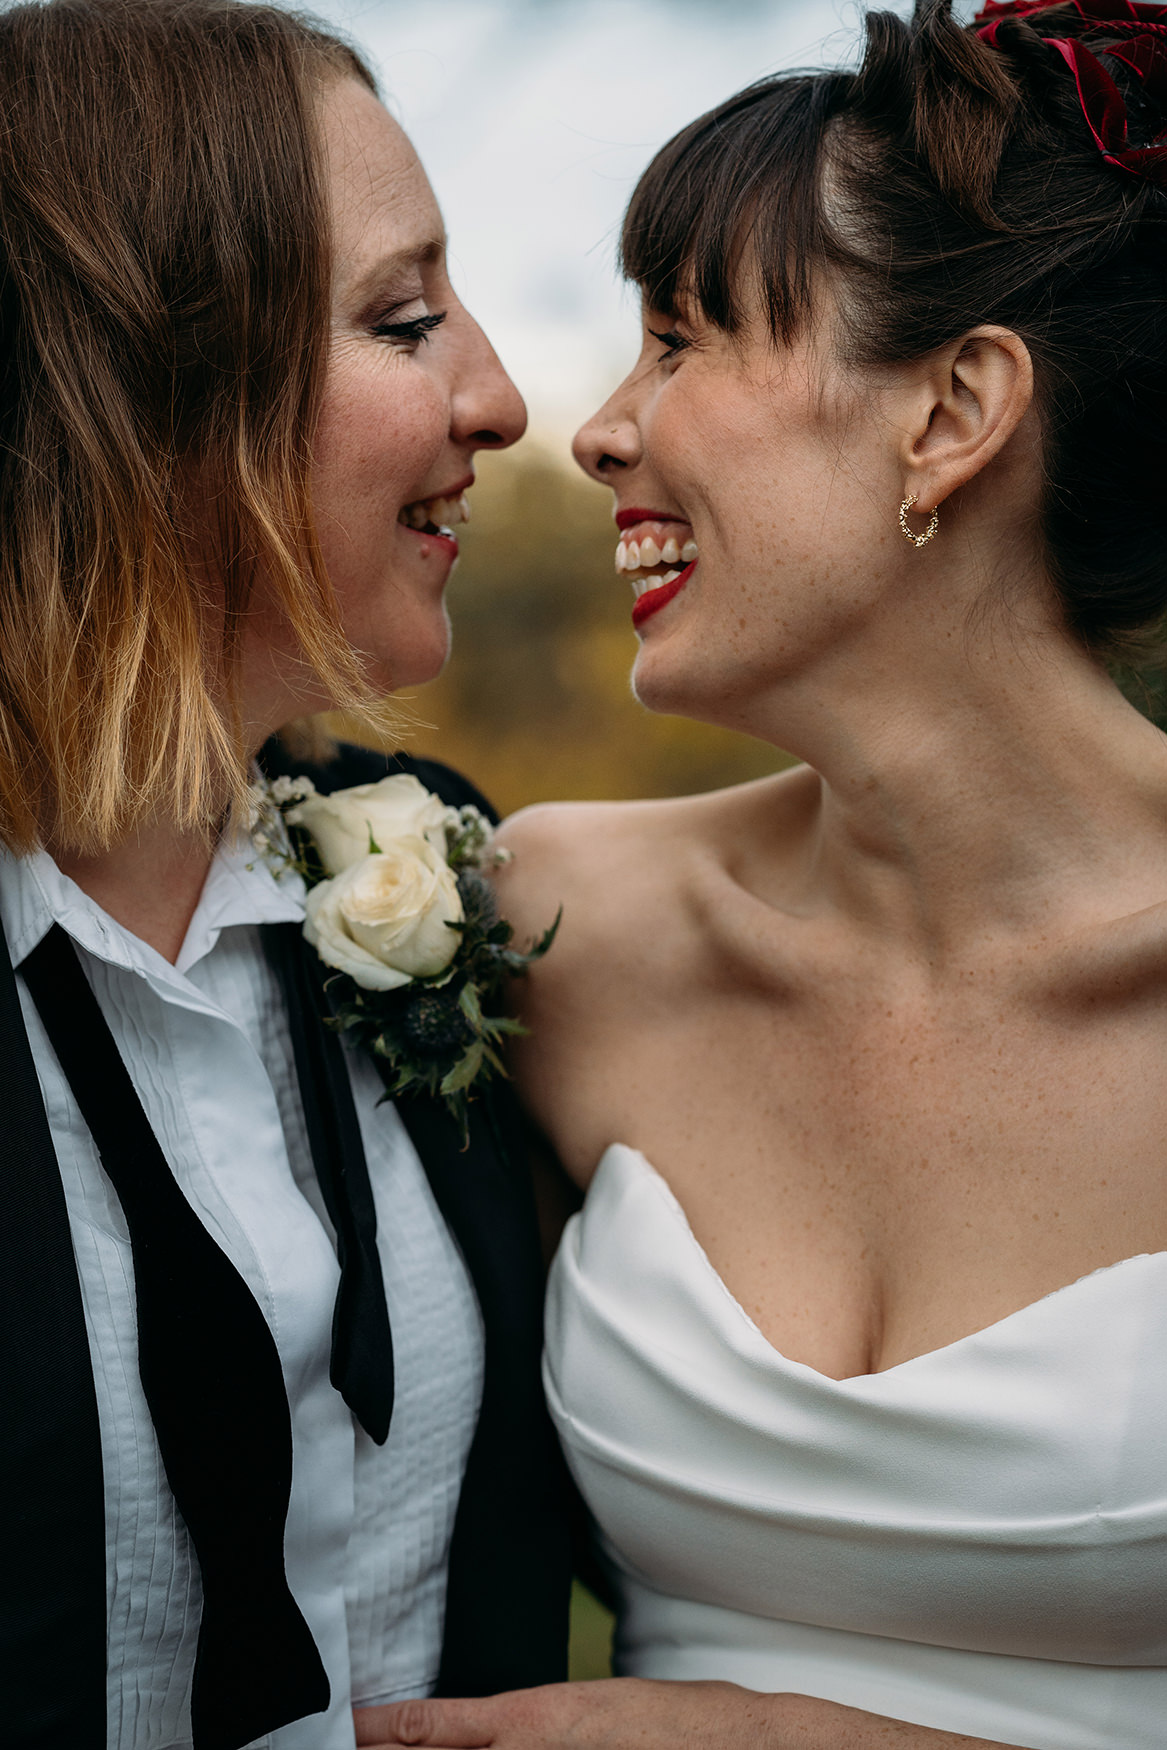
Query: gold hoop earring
(918, 540)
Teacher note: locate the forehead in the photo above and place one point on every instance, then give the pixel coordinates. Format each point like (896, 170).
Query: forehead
(381, 201)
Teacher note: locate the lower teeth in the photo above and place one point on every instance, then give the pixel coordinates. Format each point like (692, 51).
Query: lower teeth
(642, 585)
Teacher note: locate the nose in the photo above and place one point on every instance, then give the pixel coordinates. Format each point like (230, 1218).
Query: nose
(486, 410)
(609, 441)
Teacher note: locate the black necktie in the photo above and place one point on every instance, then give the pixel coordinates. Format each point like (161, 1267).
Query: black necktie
(362, 1343)
(212, 1378)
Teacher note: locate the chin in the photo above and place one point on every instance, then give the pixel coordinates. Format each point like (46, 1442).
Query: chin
(396, 661)
(672, 687)
(669, 688)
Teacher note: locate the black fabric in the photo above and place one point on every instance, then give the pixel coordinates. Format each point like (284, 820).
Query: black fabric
(510, 1557)
(351, 765)
(212, 1378)
(510, 1561)
(52, 1530)
(362, 1343)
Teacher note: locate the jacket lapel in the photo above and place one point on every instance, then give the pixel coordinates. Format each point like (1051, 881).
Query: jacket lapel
(52, 1575)
(510, 1558)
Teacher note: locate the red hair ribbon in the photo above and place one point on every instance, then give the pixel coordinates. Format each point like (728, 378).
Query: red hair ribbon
(1141, 45)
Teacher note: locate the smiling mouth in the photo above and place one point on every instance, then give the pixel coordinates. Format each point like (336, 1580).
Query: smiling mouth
(651, 554)
(435, 516)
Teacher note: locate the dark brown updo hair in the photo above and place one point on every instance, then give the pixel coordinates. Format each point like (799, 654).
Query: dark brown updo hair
(945, 184)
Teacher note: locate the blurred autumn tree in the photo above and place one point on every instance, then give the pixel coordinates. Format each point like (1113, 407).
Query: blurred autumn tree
(535, 702)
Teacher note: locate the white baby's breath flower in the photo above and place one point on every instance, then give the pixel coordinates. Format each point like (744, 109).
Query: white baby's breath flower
(385, 918)
(284, 790)
(471, 836)
(257, 803)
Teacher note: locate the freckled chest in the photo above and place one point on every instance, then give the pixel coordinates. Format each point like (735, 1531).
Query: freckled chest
(873, 1169)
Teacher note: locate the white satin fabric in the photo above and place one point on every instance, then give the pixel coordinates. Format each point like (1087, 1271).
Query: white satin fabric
(975, 1540)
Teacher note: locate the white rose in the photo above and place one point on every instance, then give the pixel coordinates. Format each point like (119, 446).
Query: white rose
(391, 809)
(385, 920)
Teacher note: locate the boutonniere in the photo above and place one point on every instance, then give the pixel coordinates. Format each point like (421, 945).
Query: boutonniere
(401, 908)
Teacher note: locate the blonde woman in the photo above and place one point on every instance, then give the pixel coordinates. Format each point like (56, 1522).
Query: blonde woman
(272, 1444)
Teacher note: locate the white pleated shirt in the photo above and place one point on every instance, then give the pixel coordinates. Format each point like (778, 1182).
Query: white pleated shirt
(207, 1045)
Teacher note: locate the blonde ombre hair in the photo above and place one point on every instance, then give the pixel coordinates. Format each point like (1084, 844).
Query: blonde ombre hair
(164, 297)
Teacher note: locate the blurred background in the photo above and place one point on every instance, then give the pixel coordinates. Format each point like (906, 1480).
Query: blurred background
(534, 119)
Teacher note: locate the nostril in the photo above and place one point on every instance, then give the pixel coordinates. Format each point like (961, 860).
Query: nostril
(607, 461)
(486, 440)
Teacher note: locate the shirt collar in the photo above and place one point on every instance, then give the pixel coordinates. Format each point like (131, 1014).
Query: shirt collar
(239, 889)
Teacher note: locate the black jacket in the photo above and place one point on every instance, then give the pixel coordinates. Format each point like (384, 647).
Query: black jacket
(506, 1618)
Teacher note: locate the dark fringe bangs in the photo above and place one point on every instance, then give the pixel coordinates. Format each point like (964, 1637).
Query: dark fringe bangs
(737, 188)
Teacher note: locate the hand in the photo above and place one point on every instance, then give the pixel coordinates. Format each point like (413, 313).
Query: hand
(605, 1715)
(628, 1713)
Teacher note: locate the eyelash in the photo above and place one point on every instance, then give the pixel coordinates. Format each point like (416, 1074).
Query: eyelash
(410, 333)
(670, 339)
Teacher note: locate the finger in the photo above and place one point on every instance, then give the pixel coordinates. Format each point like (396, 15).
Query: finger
(439, 1725)
(396, 1744)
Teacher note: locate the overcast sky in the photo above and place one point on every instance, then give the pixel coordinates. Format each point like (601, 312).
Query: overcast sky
(534, 119)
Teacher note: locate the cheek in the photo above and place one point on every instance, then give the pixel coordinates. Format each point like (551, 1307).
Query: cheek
(774, 487)
(789, 553)
(380, 432)
(727, 462)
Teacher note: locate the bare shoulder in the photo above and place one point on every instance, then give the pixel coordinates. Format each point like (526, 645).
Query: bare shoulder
(616, 866)
(569, 842)
(593, 860)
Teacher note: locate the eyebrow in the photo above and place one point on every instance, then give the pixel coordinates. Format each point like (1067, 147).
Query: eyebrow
(386, 266)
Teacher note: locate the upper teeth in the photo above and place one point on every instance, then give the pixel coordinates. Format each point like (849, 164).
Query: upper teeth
(445, 512)
(635, 555)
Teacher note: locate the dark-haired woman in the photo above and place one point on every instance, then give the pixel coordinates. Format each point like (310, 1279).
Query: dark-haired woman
(271, 1439)
(857, 1347)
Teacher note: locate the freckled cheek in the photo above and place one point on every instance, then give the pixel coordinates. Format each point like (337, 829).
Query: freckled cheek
(378, 439)
(721, 468)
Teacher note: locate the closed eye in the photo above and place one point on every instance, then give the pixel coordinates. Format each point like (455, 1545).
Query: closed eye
(410, 333)
(673, 342)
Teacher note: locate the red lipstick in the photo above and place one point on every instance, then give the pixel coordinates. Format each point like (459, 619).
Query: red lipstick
(654, 599)
(627, 519)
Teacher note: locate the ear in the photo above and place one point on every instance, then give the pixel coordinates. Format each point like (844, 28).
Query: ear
(965, 407)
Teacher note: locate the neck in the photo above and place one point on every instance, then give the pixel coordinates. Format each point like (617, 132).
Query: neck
(1005, 788)
(149, 883)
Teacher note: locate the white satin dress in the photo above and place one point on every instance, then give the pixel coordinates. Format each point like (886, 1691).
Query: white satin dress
(975, 1540)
